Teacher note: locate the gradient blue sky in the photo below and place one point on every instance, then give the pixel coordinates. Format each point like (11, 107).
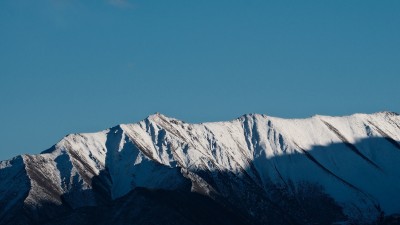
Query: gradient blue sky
(69, 66)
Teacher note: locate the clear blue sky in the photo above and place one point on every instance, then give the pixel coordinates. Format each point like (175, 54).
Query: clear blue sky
(69, 66)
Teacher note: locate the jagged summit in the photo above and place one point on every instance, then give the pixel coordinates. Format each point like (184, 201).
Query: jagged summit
(267, 169)
(156, 116)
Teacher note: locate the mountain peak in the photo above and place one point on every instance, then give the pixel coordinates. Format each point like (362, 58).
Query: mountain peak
(387, 113)
(161, 118)
(157, 116)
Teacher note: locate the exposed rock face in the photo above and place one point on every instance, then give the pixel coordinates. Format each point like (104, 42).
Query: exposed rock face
(253, 170)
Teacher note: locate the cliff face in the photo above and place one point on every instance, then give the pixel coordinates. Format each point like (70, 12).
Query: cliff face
(256, 169)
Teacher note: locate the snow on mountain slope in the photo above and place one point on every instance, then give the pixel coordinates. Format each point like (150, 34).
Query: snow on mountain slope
(355, 159)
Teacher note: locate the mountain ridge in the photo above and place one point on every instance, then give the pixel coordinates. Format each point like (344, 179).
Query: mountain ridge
(348, 162)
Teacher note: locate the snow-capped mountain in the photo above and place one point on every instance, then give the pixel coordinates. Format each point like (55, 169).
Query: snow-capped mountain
(256, 169)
